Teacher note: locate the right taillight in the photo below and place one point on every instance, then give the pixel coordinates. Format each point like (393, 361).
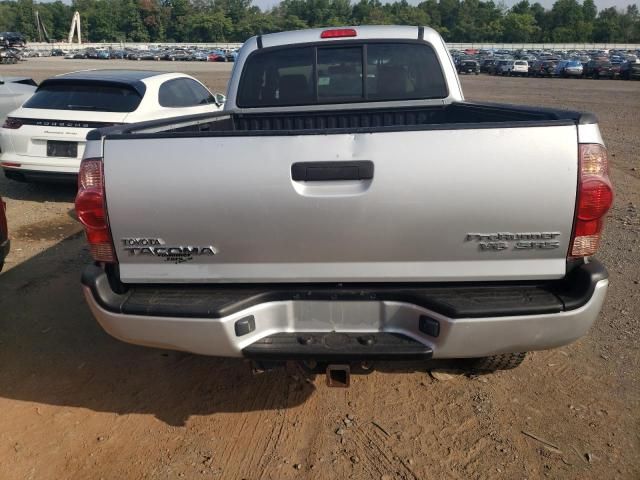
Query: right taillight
(12, 123)
(595, 197)
(91, 210)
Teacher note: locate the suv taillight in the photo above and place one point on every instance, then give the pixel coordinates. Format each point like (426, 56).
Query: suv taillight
(595, 197)
(92, 212)
(12, 123)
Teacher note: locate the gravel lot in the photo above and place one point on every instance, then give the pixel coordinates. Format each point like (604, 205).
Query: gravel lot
(76, 403)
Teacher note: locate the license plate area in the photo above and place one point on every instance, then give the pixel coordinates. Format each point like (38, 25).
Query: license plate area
(62, 149)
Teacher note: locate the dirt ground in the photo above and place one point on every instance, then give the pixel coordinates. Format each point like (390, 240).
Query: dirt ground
(78, 404)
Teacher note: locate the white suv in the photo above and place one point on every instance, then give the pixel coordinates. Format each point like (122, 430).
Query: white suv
(45, 138)
(517, 67)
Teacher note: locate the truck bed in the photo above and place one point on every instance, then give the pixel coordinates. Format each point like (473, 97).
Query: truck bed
(457, 115)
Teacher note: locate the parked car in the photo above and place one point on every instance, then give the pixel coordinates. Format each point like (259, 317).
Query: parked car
(45, 138)
(469, 66)
(5, 243)
(517, 67)
(598, 68)
(217, 56)
(569, 68)
(544, 68)
(117, 54)
(8, 55)
(232, 56)
(14, 91)
(76, 55)
(499, 67)
(57, 52)
(630, 70)
(486, 65)
(616, 66)
(199, 56)
(12, 39)
(558, 71)
(145, 55)
(180, 56)
(313, 220)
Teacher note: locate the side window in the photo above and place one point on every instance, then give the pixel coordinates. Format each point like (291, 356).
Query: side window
(177, 93)
(202, 95)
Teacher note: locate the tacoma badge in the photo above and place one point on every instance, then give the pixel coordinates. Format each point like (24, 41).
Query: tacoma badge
(171, 253)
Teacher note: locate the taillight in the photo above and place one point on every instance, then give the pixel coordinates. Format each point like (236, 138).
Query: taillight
(595, 197)
(12, 123)
(339, 33)
(92, 212)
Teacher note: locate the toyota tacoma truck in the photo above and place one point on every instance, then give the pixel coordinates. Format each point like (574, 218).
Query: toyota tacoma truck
(348, 205)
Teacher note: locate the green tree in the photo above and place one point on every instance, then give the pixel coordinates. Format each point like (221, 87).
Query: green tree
(607, 26)
(208, 26)
(589, 11)
(24, 19)
(519, 27)
(178, 18)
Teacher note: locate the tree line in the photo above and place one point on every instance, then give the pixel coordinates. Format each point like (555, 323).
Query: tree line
(237, 20)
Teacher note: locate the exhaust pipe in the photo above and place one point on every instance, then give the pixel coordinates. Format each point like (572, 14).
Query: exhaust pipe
(338, 376)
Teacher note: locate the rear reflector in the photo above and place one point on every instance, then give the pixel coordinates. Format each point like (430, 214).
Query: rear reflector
(12, 123)
(595, 197)
(339, 33)
(92, 212)
(10, 164)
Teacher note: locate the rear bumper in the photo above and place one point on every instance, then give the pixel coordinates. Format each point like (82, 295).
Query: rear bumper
(37, 171)
(447, 321)
(40, 167)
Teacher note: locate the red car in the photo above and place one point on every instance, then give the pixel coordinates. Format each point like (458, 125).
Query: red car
(217, 57)
(4, 234)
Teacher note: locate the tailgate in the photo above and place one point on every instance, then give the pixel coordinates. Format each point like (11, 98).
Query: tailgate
(442, 205)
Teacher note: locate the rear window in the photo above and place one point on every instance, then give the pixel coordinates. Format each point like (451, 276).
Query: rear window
(336, 74)
(521, 63)
(85, 96)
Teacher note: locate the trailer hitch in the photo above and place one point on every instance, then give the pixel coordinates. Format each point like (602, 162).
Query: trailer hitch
(338, 376)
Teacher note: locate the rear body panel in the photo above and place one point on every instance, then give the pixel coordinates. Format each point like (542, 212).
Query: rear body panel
(27, 145)
(454, 205)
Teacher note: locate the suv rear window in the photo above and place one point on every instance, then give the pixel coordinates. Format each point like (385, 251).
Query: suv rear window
(85, 96)
(335, 74)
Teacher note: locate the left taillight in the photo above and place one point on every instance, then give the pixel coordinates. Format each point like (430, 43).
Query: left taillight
(92, 212)
(12, 123)
(595, 197)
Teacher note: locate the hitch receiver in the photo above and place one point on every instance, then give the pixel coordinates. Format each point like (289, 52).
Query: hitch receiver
(338, 376)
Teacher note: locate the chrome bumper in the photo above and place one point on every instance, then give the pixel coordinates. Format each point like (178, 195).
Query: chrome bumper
(455, 338)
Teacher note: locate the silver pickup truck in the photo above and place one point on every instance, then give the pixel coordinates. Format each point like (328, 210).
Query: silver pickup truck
(348, 206)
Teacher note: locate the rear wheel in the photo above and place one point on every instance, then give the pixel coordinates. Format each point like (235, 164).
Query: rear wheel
(506, 361)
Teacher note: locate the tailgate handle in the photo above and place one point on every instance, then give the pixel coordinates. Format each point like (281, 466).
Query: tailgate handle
(331, 171)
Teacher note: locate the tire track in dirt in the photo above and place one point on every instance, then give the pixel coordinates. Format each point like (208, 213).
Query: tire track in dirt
(254, 436)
